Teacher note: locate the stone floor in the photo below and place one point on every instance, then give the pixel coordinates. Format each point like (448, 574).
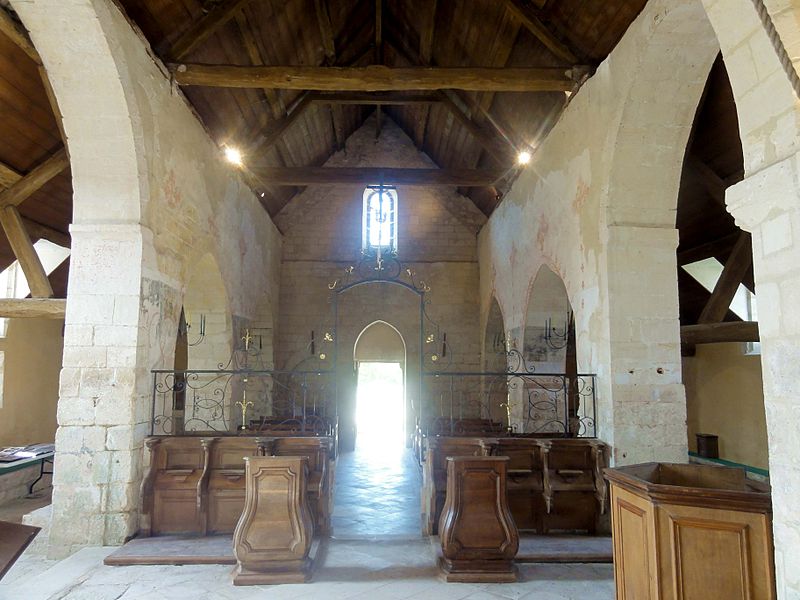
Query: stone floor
(376, 553)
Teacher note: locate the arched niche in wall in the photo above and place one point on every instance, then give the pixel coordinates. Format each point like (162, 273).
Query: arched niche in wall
(544, 343)
(380, 342)
(208, 338)
(494, 389)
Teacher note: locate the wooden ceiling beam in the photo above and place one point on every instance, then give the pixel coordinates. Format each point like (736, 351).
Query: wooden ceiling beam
(203, 28)
(327, 176)
(532, 23)
(374, 98)
(326, 30)
(733, 273)
(21, 244)
(43, 232)
(707, 249)
(11, 28)
(20, 191)
(425, 58)
(47, 308)
(376, 78)
(8, 176)
(712, 333)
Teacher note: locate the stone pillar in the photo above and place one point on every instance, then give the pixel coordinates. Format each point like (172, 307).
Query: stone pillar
(646, 411)
(113, 325)
(768, 205)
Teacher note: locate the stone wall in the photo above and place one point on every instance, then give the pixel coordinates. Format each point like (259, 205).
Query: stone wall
(151, 197)
(437, 231)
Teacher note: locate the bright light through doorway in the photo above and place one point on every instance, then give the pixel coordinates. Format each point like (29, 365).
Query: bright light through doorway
(380, 412)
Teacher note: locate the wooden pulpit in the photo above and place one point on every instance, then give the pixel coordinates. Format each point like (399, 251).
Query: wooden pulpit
(478, 535)
(273, 537)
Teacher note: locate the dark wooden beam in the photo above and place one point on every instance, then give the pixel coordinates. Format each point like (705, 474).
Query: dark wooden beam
(302, 176)
(425, 58)
(376, 78)
(203, 29)
(712, 333)
(733, 273)
(30, 183)
(326, 30)
(714, 185)
(274, 133)
(374, 98)
(17, 34)
(21, 244)
(708, 249)
(40, 231)
(532, 23)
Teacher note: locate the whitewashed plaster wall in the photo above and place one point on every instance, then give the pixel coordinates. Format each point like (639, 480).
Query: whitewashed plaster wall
(597, 205)
(151, 197)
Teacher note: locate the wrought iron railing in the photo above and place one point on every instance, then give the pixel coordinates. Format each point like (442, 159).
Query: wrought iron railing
(523, 402)
(196, 401)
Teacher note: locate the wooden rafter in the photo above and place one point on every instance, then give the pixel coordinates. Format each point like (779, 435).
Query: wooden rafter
(18, 35)
(708, 249)
(21, 190)
(326, 30)
(376, 78)
(276, 130)
(48, 308)
(203, 29)
(8, 176)
(22, 246)
(733, 273)
(302, 176)
(425, 58)
(533, 24)
(378, 57)
(499, 153)
(377, 98)
(712, 333)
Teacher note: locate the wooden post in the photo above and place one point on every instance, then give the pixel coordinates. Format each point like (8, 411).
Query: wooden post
(23, 249)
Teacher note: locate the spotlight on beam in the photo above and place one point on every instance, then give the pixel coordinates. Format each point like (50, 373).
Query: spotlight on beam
(523, 158)
(233, 156)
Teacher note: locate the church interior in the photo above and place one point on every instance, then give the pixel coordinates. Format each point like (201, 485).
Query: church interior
(399, 299)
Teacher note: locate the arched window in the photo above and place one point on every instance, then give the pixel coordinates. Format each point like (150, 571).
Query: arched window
(379, 219)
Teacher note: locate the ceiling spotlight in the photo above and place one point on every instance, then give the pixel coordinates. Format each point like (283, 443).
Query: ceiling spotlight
(263, 194)
(523, 158)
(233, 156)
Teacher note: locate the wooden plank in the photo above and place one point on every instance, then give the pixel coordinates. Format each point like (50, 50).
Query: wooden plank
(40, 231)
(533, 24)
(426, 35)
(48, 308)
(712, 333)
(18, 35)
(302, 176)
(375, 98)
(51, 98)
(733, 273)
(376, 78)
(14, 538)
(203, 29)
(23, 188)
(22, 246)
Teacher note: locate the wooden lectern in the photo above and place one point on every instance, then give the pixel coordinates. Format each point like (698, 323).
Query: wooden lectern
(478, 535)
(273, 537)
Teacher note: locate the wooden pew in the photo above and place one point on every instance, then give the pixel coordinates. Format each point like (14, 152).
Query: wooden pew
(196, 484)
(451, 427)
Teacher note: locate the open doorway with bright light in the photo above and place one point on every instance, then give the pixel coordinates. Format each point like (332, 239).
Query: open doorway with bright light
(380, 413)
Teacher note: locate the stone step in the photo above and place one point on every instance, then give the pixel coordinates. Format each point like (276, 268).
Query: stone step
(59, 578)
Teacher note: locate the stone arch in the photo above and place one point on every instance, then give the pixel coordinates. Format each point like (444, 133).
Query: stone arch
(548, 307)
(381, 343)
(118, 195)
(663, 91)
(494, 339)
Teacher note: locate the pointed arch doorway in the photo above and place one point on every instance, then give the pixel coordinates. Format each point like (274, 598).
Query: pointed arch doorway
(379, 358)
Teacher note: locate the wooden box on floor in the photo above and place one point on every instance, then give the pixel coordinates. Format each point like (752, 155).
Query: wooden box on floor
(690, 531)
(478, 536)
(273, 536)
